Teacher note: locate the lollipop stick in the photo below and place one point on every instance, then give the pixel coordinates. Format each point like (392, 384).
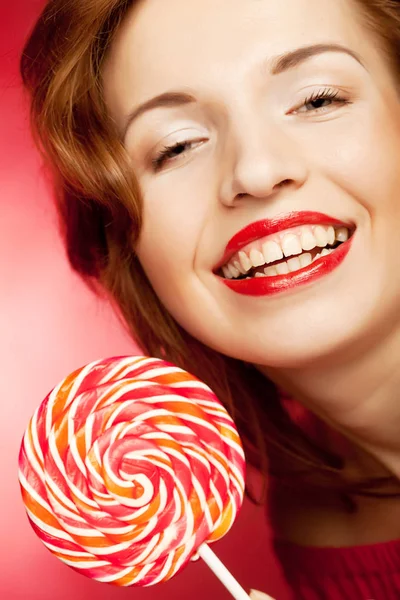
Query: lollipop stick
(219, 569)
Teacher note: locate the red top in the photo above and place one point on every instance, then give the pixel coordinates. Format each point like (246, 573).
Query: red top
(359, 573)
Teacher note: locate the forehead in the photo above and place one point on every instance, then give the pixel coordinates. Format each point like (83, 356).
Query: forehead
(168, 44)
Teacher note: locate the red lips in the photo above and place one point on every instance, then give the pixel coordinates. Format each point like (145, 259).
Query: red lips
(262, 286)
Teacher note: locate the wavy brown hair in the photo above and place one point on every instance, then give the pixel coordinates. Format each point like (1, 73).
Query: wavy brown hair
(99, 208)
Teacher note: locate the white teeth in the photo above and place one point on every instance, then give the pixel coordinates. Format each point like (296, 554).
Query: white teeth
(256, 258)
(308, 241)
(321, 236)
(331, 235)
(316, 257)
(291, 245)
(234, 271)
(239, 267)
(294, 264)
(342, 234)
(282, 268)
(305, 259)
(244, 261)
(272, 252)
(270, 271)
(226, 272)
(323, 252)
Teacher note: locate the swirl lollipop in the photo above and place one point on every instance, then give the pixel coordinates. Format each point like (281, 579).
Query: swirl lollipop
(128, 468)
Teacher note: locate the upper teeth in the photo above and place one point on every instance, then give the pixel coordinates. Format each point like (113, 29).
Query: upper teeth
(284, 244)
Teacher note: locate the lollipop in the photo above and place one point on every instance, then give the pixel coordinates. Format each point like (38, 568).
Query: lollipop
(128, 468)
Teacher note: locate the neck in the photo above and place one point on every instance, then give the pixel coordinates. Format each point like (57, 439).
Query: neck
(357, 395)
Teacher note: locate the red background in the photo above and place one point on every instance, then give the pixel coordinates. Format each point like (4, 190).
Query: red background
(50, 325)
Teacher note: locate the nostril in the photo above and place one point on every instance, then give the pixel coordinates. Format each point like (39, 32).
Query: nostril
(283, 183)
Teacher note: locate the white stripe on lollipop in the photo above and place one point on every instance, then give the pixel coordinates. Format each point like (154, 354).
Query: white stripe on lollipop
(76, 456)
(78, 493)
(238, 475)
(144, 556)
(167, 544)
(166, 568)
(88, 431)
(234, 445)
(109, 549)
(191, 451)
(188, 383)
(69, 552)
(115, 391)
(110, 372)
(163, 545)
(96, 451)
(188, 521)
(142, 574)
(63, 512)
(151, 525)
(57, 533)
(157, 399)
(114, 576)
(36, 444)
(38, 468)
(198, 421)
(89, 466)
(203, 502)
(179, 455)
(120, 406)
(33, 493)
(112, 530)
(144, 499)
(72, 393)
(56, 494)
(48, 416)
(84, 564)
(113, 476)
(157, 372)
(216, 496)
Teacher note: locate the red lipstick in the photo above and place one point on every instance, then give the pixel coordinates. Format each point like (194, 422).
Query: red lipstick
(260, 229)
(262, 286)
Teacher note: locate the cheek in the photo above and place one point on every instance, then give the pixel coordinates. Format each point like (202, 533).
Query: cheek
(174, 213)
(363, 158)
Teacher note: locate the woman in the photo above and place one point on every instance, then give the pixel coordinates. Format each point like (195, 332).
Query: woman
(228, 171)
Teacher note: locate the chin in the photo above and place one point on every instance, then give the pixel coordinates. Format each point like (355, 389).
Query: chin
(320, 337)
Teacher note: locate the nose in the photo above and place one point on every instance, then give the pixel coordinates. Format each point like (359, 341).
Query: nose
(259, 163)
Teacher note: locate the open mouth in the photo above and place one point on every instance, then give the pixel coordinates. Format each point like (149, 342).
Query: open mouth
(288, 252)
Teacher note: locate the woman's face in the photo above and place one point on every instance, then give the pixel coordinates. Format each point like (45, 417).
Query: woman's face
(279, 114)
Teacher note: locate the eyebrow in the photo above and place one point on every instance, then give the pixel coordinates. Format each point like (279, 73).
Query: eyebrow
(296, 57)
(277, 65)
(171, 99)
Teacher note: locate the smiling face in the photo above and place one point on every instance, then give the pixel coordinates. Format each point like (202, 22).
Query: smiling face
(249, 151)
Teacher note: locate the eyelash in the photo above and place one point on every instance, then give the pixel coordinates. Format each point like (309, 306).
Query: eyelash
(167, 153)
(326, 94)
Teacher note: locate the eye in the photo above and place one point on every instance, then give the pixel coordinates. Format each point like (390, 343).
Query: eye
(172, 152)
(322, 101)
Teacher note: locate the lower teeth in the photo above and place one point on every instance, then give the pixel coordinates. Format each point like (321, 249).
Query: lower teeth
(284, 267)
